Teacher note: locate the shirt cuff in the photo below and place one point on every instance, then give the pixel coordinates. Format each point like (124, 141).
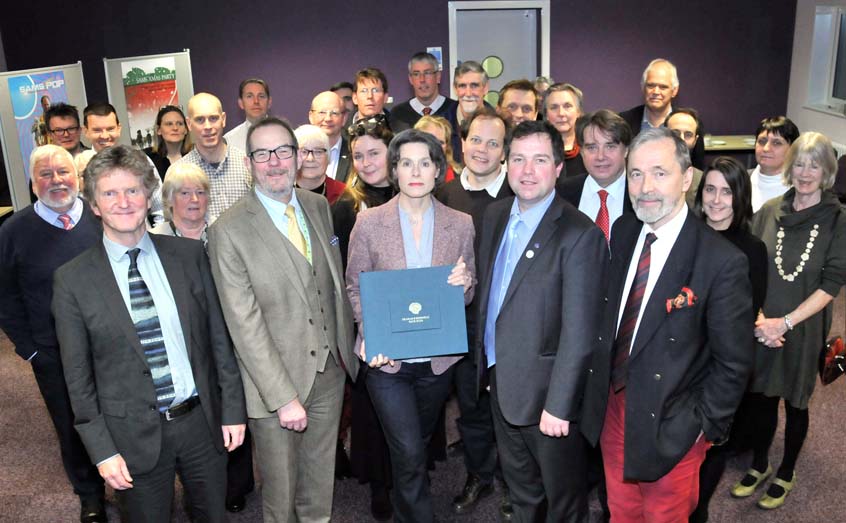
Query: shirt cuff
(107, 459)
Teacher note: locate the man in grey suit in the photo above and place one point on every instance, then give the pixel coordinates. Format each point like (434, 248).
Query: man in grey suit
(150, 372)
(278, 270)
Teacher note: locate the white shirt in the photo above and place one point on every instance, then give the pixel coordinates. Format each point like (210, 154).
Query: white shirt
(418, 106)
(765, 187)
(334, 157)
(589, 203)
(492, 188)
(666, 237)
(238, 135)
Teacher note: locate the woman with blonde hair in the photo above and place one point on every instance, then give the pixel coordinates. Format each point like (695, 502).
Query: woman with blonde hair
(440, 128)
(185, 198)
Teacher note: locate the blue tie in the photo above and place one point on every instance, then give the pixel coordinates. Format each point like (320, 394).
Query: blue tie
(504, 265)
(146, 320)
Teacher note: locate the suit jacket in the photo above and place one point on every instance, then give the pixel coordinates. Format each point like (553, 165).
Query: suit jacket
(547, 325)
(571, 190)
(109, 381)
(634, 116)
(688, 368)
(376, 245)
(265, 304)
(344, 160)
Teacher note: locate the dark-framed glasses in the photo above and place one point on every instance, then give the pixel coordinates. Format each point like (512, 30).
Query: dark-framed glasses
(65, 131)
(283, 152)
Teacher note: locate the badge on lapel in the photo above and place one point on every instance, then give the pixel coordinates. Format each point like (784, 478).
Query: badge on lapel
(333, 240)
(686, 298)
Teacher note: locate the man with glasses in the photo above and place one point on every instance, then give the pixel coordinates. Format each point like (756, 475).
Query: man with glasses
(63, 125)
(254, 99)
(224, 164)
(371, 93)
(424, 76)
(278, 271)
(327, 112)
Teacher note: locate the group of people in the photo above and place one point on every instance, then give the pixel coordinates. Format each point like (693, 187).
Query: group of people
(634, 315)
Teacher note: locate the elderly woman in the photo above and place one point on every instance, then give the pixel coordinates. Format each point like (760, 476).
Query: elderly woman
(562, 106)
(312, 162)
(805, 234)
(412, 230)
(172, 141)
(440, 128)
(724, 201)
(185, 198)
(772, 141)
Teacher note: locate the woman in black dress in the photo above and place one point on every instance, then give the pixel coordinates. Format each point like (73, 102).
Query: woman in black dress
(724, 201)
(172, 140)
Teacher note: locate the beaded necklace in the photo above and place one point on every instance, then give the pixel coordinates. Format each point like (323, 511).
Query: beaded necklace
(802, 259)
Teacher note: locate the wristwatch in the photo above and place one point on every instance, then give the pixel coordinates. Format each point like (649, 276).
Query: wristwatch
(788, 322)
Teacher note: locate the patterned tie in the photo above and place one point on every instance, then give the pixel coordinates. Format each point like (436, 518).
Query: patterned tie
(149, 330)
(623, 343)
(427, 111)
(295, 235)
(602, 216)
(66, 221)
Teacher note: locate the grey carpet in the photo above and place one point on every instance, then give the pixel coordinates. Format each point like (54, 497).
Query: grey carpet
(33, 487)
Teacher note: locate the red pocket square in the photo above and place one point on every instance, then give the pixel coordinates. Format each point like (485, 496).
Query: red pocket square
(686, 298)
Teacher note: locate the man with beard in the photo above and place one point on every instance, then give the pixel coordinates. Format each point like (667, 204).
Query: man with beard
(471, 85)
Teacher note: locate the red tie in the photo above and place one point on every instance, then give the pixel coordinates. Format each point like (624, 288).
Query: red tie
(602, 215)
(623, 343)
(427, 111)
(66, 221)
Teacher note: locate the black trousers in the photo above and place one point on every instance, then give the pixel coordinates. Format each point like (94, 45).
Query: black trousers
(239, 469)
(475, 423)
(82, 474)
(186, 450)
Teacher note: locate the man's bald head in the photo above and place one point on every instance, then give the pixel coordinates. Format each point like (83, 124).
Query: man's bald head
(328, 112)
(206, 121)
(206, 101)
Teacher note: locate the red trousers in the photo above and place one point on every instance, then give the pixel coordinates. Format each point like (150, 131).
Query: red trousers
(670, 499)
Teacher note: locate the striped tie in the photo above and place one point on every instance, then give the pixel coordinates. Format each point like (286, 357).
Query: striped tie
(625, 333)
(149, 330)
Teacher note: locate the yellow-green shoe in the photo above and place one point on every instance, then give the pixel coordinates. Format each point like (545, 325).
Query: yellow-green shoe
(740, 490)
(768, 502)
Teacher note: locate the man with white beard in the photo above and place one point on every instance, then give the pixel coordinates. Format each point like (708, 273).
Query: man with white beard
(471, 86)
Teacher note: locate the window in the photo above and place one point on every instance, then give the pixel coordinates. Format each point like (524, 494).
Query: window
(827, 82)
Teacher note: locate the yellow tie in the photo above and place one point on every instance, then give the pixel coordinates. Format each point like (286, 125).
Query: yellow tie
(295, 235)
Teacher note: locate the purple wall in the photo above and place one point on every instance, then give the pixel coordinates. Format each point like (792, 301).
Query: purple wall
(733, 56)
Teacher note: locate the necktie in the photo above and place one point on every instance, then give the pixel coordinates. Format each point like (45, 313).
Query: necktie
(295, 235)
(146, 320)
(427, 111)
(623, 343)
(504, 265)
(602, 215)
(66, 221)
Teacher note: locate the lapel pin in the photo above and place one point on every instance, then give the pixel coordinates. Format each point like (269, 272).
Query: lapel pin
(537, 246)
(530, 254)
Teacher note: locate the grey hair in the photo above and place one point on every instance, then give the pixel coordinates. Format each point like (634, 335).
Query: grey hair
(674, 74)
(654, 134)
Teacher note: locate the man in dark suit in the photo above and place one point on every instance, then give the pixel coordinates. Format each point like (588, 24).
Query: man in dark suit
(603, 138)
(327, 112)
(680, 303)
(424, 75)
(539, 309)
(33, 244)
(150, 371)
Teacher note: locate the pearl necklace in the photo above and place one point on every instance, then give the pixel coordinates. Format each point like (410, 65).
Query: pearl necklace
(805, 255)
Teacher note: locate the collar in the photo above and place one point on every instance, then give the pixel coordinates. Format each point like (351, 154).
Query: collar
(275, 205)
(492, 188)
(775, 179)
(52, 217)
(616, 190)
(532, 217)
(645, 119)
(670, 230)
(418, 106)
(116, 251)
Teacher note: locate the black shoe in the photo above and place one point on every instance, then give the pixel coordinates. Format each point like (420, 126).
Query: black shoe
(343, 467)
(380, 503)
(474, 490)
(506, 511)
(92, 511)
(236, 504)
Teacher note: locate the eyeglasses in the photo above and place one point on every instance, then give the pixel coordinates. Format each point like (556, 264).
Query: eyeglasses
(375, 124)
(65, 131)
(417, 74)
(318, 154)
(283, 152)
(364, 91)
(324, 114)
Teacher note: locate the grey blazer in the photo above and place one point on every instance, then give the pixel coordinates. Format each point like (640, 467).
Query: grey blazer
(265, 304)
(376, 245)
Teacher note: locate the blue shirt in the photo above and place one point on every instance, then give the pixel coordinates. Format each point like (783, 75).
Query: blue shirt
(521, 227)
(150, 267)
(276, 210)
(418, 257)
(52, 217)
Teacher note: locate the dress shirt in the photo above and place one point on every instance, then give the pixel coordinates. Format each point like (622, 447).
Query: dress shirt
(492, 188)
(52, 217)
(276, 210)
(526, 224)
(334, 158)
(645, 123)
(418, 106)
(237, 136)
(150, 267)
(589, 202)
(229, 180)
(417, 257)
(659, 252)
